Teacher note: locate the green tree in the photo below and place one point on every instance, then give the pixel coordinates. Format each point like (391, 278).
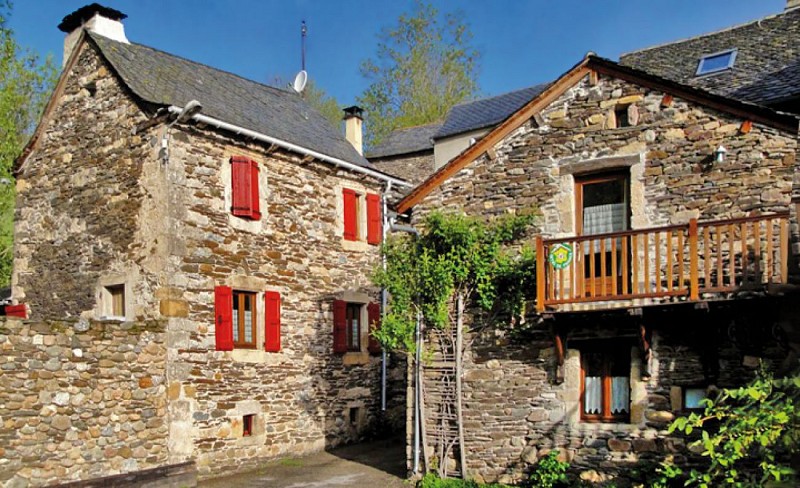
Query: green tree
(748, 435)
(25, 86)
(424, 65)
(317, 97)
(324, 103)
(454, 256)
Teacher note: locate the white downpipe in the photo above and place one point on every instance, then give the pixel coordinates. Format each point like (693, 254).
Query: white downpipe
(384, 295)
(292, 147)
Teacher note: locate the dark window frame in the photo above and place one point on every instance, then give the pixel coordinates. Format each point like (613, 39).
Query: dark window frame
(239, 324)
(685, 389)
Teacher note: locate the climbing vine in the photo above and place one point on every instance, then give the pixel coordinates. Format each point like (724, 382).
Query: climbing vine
(455, 255)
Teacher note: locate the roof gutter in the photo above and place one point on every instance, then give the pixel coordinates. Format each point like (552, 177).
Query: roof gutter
(292, 147)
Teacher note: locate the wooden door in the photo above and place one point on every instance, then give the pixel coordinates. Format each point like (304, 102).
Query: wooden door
(602, 207)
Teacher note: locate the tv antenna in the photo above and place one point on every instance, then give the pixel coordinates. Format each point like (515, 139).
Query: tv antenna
(303, 32)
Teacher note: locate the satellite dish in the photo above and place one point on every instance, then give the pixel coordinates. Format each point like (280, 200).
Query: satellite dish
(300, 81)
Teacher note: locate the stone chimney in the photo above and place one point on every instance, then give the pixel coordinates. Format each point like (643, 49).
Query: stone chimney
(792, 4)
(353, 130)
(96, 18)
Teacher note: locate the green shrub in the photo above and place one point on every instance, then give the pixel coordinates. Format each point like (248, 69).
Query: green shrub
(432, 481)
(549, 472)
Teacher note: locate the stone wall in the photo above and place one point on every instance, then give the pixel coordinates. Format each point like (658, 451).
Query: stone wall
(413, 167)
(667, 154)
(79, 199)
(80, 399)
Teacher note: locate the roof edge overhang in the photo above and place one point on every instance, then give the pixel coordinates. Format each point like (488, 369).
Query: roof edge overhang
(592, 63)
(19, 162)
(220, 124)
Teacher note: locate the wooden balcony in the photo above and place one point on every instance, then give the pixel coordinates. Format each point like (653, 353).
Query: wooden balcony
(695, 261)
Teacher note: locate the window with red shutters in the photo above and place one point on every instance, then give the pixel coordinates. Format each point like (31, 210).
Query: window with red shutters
(223, 318)
(350, 214)
(374, 219)
(244, 188)
(272, 326)
(374, 320)
(339, 326)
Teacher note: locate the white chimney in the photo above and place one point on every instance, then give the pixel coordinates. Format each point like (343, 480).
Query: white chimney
(96, 18)
(353, 130)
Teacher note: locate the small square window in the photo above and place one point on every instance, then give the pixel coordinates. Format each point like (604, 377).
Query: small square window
(247, 425)
(114, 301)
(621, 116)
(693, 398)
(714, 63)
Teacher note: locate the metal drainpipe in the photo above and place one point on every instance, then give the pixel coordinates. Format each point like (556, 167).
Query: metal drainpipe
(384, 297)
(418, 340)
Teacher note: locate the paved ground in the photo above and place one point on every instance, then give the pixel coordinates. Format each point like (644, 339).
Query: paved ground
(373, 464)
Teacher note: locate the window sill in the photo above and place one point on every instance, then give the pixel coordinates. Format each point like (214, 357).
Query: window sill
(112, 318)
(589, 427)
(360, 246)
(355, 358)
(257, 356)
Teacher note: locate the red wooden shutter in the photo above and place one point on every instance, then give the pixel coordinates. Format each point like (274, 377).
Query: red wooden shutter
(272, 326)
(244, 186)
(374, 321)
(255, 204)
(350, 215)
(374, 219)
(17, 311)
(223, 317)
(339, 326)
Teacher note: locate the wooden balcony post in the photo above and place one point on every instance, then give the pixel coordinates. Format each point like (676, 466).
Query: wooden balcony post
(694, 263)
(541, 262)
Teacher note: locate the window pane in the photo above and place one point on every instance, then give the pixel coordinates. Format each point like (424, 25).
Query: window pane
(715, 63)
(248, 318)
(620, 395)
(592, 402)
(235, 317)
(693, 397)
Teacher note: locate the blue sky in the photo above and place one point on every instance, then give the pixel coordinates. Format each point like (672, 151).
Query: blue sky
(522, 42)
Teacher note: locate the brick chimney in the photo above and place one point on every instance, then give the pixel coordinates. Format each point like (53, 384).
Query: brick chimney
(790, 4)
(96, 18)
(353, 127)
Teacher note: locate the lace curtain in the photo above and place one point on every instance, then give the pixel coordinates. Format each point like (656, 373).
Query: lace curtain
(602, 219)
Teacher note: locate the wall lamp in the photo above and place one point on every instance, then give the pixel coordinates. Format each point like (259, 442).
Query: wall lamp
(719, 154)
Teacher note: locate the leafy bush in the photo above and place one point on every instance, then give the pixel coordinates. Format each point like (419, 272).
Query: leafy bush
(549, 472)
(432, 481)
(748, 435)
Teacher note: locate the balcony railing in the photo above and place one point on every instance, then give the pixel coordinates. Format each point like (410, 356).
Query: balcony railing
(682, 262)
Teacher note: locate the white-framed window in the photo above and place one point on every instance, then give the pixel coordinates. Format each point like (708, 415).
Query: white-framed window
(716, 62)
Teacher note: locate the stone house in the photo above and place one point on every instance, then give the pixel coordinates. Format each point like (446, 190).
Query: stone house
(663, 270)
(406, 153)
(159, 190)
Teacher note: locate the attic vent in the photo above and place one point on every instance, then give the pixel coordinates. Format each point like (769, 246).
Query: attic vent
(714, 63)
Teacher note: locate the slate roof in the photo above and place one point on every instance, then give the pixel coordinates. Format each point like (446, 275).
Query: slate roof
(406, 141)
(767, 67)
(164, 79)
(487, 112)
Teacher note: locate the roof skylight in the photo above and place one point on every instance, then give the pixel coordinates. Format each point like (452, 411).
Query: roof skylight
(714, 63)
